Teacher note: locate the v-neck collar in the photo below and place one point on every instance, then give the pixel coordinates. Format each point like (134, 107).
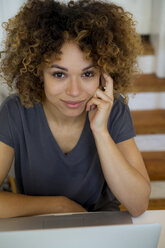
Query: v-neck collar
(72, 154)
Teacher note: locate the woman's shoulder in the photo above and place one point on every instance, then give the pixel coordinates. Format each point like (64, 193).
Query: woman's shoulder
(120, 108)
(119, 97)
(13, 111)
(119, 101)
(10, 108)
(13, 106)
(11, 101)
(120, 123)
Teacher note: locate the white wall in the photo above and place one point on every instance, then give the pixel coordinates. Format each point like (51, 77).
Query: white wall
(158, 35)
(8, 8)
(141, 11)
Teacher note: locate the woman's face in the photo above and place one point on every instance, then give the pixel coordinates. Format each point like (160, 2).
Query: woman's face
(71, 81)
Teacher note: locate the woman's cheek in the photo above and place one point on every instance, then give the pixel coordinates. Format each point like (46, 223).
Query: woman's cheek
(91, 87)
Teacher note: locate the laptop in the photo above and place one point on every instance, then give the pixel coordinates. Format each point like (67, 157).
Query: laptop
(78, 230)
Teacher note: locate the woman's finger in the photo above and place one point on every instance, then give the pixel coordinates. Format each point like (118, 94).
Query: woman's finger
(101, 104)
(102, 95)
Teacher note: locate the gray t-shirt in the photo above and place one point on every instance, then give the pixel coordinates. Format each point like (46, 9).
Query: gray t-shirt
(41, 168)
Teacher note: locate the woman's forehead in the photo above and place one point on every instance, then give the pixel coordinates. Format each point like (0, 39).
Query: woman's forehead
(70, 52)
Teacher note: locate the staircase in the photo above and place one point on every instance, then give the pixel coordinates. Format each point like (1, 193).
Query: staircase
(151, 122)
(148, 114)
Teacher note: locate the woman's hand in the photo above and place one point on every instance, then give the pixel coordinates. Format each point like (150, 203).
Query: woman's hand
(100, 106)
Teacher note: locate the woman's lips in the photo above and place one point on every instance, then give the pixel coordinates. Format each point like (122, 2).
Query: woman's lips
(73, 104)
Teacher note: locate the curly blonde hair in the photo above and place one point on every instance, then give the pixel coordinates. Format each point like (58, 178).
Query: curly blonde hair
(103, 31)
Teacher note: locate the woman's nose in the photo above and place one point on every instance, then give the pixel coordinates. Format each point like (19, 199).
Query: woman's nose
(73, 87)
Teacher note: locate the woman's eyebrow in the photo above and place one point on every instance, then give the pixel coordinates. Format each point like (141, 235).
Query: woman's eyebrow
(65, 69)
(59, 67)
(88, 67)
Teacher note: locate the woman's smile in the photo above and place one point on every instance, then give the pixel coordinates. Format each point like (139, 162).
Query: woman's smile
(73, 104)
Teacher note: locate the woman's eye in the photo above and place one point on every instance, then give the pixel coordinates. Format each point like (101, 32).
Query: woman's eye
(58, 75)
(88, 74)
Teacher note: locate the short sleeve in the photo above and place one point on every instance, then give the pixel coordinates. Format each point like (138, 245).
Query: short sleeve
(5, 130)
(120, 124)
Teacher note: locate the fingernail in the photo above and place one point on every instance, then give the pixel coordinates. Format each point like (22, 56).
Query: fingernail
(92, 107)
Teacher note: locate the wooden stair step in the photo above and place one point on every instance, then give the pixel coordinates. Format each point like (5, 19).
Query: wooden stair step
(147, 46)
(155, 164)
(154, 204)
(149, 121)
(148, 83)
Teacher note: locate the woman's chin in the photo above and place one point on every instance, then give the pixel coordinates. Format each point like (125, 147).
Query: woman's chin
(74, 112)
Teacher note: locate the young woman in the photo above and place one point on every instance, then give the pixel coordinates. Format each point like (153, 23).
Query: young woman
(68, 126)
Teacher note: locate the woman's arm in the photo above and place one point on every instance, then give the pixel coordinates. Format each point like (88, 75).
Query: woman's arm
(124, 172)
(122, 164)
(12, 205)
